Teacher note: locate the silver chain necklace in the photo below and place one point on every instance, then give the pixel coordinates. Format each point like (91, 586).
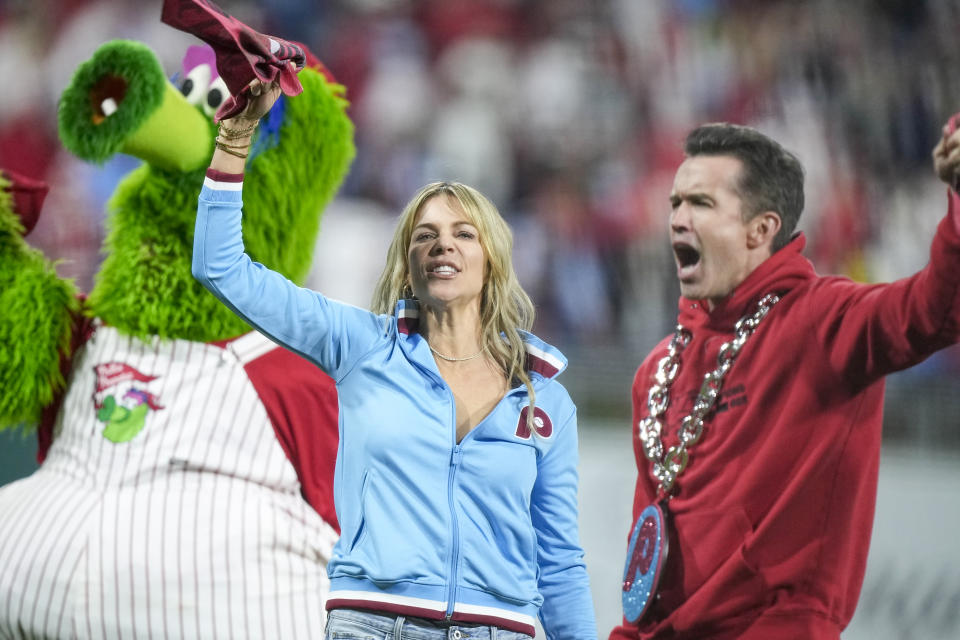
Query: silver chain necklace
(452, 359)
(666, 467)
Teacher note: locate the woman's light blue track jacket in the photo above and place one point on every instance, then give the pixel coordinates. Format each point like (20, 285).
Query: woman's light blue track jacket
(484, 530)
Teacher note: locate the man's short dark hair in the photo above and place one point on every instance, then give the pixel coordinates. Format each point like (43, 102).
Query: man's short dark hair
(772, 177)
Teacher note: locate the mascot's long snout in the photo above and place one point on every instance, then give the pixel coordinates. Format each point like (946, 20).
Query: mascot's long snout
(120, 101)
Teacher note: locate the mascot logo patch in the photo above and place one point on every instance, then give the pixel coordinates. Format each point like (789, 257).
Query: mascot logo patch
(122, 401)
(541, 424)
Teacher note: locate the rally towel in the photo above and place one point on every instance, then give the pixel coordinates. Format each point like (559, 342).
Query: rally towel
(242, 53)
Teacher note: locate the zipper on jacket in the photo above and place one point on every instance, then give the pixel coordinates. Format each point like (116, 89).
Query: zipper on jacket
(455, 457)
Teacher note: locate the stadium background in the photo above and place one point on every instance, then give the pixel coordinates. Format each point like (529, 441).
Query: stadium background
(570, 115)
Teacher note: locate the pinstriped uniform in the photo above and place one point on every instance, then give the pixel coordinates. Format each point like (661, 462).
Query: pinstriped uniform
(194, 527)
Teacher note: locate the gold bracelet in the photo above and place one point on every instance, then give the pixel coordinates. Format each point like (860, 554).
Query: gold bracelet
(250, 128)
(226, 143)
(229, 133)
(238, 136)
(230, 150)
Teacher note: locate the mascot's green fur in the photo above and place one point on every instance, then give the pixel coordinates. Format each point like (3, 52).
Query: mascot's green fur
(35, 322)
(186, 484)
(144, 287)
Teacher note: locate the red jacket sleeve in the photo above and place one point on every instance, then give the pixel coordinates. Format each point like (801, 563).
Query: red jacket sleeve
(874, 330)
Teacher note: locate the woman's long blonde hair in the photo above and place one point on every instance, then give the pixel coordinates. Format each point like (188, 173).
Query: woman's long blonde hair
(504, 306)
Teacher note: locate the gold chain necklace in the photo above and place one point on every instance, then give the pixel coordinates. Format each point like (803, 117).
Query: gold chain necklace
(452, 359)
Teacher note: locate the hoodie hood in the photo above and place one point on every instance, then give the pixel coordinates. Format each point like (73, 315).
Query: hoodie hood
(780, 273)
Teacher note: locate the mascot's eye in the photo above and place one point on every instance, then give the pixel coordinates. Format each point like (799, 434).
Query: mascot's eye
(214, 97)
(216, 94)
(194, 84)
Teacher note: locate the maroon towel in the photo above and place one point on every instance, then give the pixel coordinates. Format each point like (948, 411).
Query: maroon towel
(242, 53)
(28, 195)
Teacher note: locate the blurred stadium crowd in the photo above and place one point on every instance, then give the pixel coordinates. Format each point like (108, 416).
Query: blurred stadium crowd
(570, 115)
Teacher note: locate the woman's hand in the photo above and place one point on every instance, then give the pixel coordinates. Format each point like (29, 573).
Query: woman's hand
(236, 133)
(262, 97)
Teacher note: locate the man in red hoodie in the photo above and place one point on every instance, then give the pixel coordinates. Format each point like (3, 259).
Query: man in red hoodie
(757, 424)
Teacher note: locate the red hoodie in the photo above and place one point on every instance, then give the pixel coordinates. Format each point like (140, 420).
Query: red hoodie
(770, 522)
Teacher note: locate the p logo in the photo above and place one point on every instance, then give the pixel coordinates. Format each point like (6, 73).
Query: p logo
(541, 423)
(646, 555)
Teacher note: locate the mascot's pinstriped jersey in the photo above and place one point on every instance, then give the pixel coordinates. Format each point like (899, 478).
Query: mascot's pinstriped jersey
(199, 504)
(186, 489)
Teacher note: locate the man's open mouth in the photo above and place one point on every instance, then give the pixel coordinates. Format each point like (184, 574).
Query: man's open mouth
(686, 255)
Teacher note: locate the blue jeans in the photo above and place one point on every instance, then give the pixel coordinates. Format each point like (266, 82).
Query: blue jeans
(354, 624)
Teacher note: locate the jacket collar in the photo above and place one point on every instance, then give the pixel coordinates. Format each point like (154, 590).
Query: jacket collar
(783, 271)
(542, 358)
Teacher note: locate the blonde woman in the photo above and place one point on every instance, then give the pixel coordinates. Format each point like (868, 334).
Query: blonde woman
(456, 482)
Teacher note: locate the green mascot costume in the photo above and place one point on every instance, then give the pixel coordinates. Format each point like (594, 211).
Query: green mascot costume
(187, 465)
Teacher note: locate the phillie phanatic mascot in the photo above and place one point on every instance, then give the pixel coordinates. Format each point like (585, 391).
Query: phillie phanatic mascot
(185, 489)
